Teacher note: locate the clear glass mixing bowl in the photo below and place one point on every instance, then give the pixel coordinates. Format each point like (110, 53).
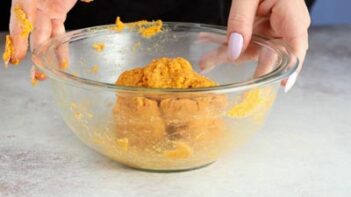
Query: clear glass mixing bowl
(163, 129)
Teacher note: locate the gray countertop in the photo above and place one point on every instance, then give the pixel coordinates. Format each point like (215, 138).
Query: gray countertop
(304, 149)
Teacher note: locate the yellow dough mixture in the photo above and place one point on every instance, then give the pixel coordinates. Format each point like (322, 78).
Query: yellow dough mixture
(9, 50)
(146, 29)
(171, 126)
(26, 25)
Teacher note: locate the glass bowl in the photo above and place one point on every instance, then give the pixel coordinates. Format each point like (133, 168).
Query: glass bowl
(163, 129)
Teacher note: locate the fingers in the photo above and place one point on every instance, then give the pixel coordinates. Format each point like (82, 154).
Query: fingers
(240, 25)
(263, 27)
(58, 28)
(275, 18)
(43, 29)
(57, 9)
(291, 26)
(265, 7)
(300, 47)
(219, 56)
(293, 29)
(22, 17)
(46, 18)
(266, 62)
(41, 33)
(210, 60)
(51, 15)
(205, 37)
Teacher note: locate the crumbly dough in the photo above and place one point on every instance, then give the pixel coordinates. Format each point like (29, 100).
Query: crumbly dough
(139, 120)
(165, 73)
(146, 29)
(253, 103)
(36, 76)
(9, 50)
(26, 25)
(98, 47)
(173, 125)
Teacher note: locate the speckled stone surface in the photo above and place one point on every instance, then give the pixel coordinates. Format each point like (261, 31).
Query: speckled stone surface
(304, 150)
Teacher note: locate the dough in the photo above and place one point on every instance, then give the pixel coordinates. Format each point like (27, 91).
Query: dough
(174, 125)
(9, 50)
(25, 24)
(165, 73)
(139, 120)
(146, 29)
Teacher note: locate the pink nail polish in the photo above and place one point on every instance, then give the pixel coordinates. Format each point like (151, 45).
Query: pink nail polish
(235, 45)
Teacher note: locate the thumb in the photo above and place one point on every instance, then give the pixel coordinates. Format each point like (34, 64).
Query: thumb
(240, 25)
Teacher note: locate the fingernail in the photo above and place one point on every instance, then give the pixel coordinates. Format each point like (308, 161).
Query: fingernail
(235, 45)
(206, 70)
(206, 66)
(291, 81)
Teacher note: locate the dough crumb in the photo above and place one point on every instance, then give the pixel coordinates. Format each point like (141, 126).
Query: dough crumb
(36, 76)
(64, 64)
(251, 102)
(98, 47)
(146, 29)
(95, 69)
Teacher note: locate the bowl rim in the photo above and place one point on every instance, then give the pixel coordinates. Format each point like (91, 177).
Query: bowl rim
(287, 66)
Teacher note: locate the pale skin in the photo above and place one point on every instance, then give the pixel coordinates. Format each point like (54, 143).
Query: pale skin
(281, 19)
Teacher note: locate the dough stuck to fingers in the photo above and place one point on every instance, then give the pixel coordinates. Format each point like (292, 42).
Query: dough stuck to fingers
(17, 42)
(9, 50)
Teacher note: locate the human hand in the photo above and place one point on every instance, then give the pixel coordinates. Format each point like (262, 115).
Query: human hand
(47, 18)
(280, 19)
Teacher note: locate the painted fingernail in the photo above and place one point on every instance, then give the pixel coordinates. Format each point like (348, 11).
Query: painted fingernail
(235, 45)
(291, 81)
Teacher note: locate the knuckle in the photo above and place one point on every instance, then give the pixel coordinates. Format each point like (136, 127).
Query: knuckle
(239, 23)
(238, 19)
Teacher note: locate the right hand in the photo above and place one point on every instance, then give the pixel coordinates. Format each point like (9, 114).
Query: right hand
(47, 17)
